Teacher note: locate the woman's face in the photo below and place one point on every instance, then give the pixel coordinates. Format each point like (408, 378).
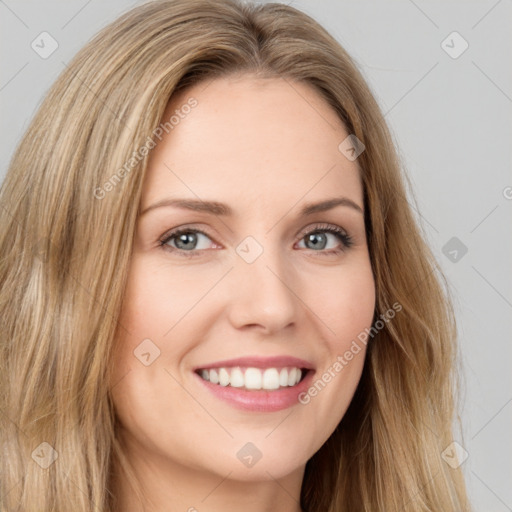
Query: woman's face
(257, 275)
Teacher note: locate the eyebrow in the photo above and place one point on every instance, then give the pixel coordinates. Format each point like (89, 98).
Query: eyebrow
(222, 209)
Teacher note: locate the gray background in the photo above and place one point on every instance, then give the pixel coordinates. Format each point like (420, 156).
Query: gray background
(450, 118)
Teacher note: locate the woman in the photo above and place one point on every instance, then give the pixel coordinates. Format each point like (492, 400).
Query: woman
(213, 286)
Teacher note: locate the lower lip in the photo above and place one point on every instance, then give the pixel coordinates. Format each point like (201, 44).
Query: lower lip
(260, 400)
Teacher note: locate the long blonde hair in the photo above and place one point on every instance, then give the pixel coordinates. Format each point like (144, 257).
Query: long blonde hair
(65, 249)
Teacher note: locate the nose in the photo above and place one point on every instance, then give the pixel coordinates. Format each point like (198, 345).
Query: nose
(262, 294)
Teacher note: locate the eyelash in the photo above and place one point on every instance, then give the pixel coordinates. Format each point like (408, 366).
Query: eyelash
(345, 238)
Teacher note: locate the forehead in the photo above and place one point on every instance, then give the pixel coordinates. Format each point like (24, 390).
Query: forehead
(251, 141)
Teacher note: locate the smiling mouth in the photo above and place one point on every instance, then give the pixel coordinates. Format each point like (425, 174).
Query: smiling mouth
(250, 378)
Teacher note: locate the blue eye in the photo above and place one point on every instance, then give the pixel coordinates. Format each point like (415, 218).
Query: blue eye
(187, 241)
(319, 239)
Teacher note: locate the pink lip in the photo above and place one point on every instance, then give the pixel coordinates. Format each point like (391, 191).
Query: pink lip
(260, 400)
(259, 362)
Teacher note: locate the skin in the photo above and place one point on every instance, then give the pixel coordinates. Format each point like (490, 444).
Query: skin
(264, 148)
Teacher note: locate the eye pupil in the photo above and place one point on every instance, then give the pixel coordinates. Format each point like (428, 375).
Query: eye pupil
(186, 237)
(318, 239)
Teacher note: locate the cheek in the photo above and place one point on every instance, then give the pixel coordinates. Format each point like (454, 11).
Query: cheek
(344, 304)
(142, 318)
(157, 297)
(160, 316)
(344, 301)
(346, 309)
(155, 301)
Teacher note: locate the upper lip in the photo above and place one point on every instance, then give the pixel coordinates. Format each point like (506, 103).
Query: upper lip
(259, 362)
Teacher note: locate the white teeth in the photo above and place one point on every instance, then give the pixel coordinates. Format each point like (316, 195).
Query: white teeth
(237, 378)
(271, 379)
(283, 377)
(292, 376)
(253, 378)
(214, 377)
(223, 377)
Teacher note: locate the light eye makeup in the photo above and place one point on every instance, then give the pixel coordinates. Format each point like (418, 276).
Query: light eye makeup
(321, 234)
